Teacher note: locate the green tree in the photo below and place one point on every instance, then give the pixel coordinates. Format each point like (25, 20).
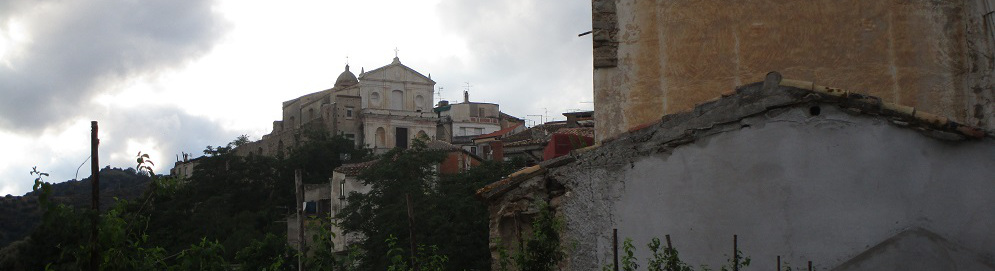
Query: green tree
(446, 214)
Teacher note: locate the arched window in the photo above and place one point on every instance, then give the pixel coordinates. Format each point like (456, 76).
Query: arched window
(310, 113)
(397, 100)
(381, 138)
(293, 122)
(422, 134)
(260, 150)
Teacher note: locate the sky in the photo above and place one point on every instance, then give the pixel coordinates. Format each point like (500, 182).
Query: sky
(169, 76)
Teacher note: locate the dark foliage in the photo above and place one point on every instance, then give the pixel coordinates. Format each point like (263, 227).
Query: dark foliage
(446, 214)
(114, 183)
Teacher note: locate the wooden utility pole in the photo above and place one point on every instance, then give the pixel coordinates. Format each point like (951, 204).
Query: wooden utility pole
(411, 230)
(94, 197)
(300, 219)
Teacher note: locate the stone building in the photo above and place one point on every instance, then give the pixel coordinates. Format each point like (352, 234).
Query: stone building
(380, 109)
(460, 123)
(661, 57)
(797, 170)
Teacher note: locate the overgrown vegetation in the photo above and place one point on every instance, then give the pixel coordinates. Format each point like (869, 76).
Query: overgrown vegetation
(229, 214)
(668, 259)
(436, 200)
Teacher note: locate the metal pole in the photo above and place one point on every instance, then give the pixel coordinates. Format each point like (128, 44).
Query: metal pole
(735, 253)
(95, 197)
(778, 263)
(615, 247)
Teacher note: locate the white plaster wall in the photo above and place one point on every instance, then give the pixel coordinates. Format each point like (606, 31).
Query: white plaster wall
(821, 189)
(487, 128)
(351, 185)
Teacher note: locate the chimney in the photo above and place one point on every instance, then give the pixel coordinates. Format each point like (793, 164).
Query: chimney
(466, 96)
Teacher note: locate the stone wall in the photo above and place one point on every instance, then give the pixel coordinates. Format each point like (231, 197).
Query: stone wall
(659, 57)
(823, 185)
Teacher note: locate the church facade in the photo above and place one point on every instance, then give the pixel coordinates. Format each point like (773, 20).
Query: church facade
(380, 109)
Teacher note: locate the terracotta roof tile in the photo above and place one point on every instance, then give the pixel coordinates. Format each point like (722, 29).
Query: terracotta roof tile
(355, 168)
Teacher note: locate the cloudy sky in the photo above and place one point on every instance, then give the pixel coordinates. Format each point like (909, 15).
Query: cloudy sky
(171, 76)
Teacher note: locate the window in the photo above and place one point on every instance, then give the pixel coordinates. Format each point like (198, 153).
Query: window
(350, 137)
(473, 150)
(462, 131)
(310, 113)
(480, 112)
(348, 112)
(342, 190)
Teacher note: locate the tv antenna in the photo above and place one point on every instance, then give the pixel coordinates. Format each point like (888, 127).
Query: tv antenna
(438, 94)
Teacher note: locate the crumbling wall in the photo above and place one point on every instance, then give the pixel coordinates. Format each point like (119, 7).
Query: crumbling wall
(659, 57)
(806, 182)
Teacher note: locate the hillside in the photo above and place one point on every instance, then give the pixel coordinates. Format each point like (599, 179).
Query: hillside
(21, 213)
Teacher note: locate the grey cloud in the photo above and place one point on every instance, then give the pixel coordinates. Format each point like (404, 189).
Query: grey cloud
(80, 48)
(525, 48)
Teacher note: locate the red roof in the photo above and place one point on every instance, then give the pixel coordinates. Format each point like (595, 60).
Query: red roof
(355, 168)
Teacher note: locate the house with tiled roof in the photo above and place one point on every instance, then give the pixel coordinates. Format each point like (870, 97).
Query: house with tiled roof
(460, 123)
(551, 139)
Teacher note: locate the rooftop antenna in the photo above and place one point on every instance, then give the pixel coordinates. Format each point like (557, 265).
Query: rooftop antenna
(466, 92)
(540, 119)
(438, 94)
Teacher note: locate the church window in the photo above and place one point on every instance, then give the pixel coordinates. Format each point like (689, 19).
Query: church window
(348, 112)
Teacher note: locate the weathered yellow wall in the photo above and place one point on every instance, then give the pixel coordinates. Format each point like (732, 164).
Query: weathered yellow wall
(672, 55)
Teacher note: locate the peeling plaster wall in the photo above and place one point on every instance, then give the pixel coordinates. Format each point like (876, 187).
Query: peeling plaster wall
(809, 188)
(659, 57)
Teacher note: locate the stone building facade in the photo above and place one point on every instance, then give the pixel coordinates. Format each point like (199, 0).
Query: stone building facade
(460, 123)
(653, 58)
(380, 109)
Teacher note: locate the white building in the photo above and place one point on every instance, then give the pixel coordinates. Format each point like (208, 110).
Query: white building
(381, 109)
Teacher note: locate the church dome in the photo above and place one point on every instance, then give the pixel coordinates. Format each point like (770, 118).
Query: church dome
(346, 78)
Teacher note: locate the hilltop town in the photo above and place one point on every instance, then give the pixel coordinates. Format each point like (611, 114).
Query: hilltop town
(831, 135)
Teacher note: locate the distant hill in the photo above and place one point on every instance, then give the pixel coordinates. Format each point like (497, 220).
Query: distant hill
(21, 214)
